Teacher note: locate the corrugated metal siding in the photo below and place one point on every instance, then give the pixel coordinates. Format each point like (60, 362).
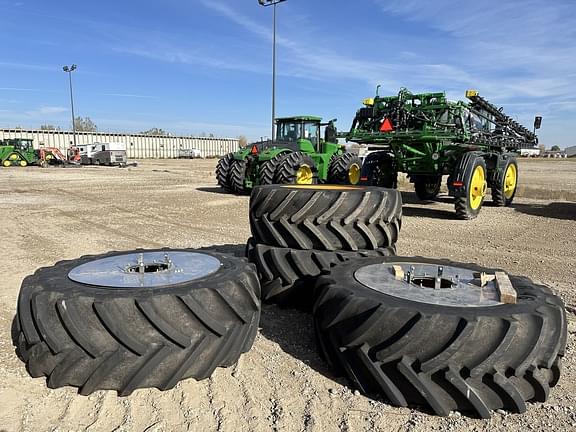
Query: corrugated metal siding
(138, 146)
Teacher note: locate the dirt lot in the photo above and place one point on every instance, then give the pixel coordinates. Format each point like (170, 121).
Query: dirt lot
(53, 214)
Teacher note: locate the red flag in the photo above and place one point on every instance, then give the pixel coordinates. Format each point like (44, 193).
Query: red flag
(386, 125)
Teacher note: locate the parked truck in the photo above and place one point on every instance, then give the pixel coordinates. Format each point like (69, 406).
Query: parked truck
(426, 136)
(113, 153)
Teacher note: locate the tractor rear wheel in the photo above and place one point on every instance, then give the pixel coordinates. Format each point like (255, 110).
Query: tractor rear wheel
(268, 169)
(223, 171)
(345, 169)
(128, 320)
(237, 175)
(455, 347)
(297, 168)
(506, 182)
(379, 169)
(427, 187)
(468, 206)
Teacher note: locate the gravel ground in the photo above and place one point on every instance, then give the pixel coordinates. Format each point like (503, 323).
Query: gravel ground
(281, 384)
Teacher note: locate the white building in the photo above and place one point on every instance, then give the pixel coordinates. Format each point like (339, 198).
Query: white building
(137, 146)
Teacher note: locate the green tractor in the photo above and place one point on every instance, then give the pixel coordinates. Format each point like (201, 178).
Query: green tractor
(17, 152)
(426, 136)
(298, 155)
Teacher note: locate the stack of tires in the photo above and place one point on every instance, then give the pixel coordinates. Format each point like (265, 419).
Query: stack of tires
(301, 231)
(413, 331)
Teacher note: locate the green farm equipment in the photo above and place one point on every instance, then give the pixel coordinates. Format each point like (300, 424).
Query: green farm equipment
(426, 136)
(298, 155)
(17, 152)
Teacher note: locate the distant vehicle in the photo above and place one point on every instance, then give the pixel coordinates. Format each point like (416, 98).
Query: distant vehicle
(17, 152)
(189, 153)
(113, 153)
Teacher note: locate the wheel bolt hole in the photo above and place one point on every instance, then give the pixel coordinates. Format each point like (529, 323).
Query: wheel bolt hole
(148, 268)
(428, 282)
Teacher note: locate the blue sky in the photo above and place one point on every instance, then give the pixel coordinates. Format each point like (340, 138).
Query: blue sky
(205, 66)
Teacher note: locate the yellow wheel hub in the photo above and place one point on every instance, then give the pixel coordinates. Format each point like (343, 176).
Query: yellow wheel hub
(23, 163)
(510, 181)
(6, 163)
(13, 157)
(304, 175)
(477, 187)
(354, 174)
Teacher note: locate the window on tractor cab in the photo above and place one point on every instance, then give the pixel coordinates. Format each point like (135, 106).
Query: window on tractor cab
(312, 132)
(476, 122)
(287, 132)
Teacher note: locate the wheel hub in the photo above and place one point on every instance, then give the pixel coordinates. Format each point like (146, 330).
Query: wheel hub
(431, 284)
(145, 269)
(304, 175)
(354, 174)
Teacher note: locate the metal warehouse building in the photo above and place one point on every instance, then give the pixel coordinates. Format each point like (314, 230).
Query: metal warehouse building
(138, 146)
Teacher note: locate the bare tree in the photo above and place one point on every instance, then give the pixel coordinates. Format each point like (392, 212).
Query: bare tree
(155, 132)
(85, 124)
(48, 127)
(243, 141)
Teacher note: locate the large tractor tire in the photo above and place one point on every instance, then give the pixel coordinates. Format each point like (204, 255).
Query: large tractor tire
(223, 172)
(324, 217)
(269, 168)
(458, 347)
(128, 320)
(296, 168)
(288, 275)
(345, 169)
(379, 169)
(506, 183)
(427, 187)
(472, 172)
(237, 176)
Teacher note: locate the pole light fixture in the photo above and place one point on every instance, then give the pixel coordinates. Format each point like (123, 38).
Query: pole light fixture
(273, 3)
(69, 70)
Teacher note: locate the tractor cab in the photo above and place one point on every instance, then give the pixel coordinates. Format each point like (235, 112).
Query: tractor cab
(299, 130)
(22, 144)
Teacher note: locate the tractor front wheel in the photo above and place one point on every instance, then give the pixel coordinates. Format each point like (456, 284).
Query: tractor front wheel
(6, 163)
(345, 169)
(297, 168)
(469, 204)
(237, 175)
(427, 187)
(504, 188)
(223, 171)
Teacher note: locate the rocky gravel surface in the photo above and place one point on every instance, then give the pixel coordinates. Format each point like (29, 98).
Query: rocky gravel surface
(281, 384)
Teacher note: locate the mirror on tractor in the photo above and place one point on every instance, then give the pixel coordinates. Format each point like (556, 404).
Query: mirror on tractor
(537, 122)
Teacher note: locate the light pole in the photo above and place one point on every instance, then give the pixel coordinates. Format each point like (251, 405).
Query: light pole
(69, 70)
(273, 3)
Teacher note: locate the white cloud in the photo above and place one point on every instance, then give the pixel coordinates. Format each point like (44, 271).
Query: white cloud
(46, 111)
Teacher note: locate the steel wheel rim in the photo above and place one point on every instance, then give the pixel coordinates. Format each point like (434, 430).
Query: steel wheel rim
(145, 269)
(354, 174)
(304, 175)
(459, 286)
(510, 181)
(477, 187)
